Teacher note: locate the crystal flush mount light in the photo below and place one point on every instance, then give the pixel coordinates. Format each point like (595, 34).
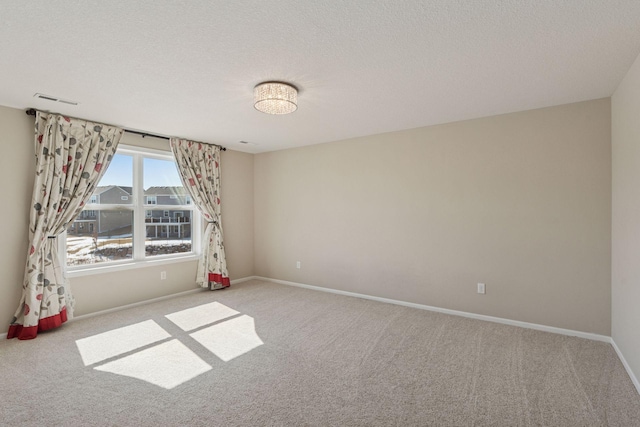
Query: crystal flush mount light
(275, 98)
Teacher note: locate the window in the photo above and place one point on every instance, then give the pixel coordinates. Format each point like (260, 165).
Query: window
(116, 233)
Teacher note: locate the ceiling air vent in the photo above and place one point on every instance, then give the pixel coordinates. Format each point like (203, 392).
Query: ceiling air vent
(247, 143)
(54, 99)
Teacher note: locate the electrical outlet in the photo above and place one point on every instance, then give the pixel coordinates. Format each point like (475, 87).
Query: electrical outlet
(298, 264)
(163, 275)
(481, 289)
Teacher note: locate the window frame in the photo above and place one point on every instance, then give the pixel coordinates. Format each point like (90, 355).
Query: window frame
(139, 207)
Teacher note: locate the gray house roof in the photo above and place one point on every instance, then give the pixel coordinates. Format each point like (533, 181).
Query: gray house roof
(151, 191)
(104, 188)
(166, 191)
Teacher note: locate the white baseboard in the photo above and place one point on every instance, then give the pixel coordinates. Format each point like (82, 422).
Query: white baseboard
(139, 303)
(587, 335)
(634, 380)
(244, 279)
(561, 331)
(135, 304)
(569, 332)
(152, 300)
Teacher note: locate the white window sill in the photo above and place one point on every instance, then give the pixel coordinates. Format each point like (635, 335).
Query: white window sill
(128, 265)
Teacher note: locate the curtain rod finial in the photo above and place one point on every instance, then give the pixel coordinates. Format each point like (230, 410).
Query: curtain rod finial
(30, 112)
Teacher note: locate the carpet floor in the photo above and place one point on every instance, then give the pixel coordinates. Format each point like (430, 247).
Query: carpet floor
(315, 359)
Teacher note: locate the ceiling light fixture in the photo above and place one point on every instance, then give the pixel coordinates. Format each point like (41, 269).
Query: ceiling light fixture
(275, 98)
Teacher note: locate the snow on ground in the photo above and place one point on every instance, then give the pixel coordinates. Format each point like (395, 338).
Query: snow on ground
(81, 249)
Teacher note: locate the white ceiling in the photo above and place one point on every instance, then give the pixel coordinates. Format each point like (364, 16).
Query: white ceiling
(188, 68)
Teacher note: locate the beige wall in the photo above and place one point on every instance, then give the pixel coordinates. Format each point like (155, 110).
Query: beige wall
(237, 212)
(521, 202)
(17, 171)
(625, 279)
(100, 292)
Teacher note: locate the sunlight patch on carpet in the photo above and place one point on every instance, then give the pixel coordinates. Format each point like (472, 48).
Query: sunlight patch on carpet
(113, 343)
(166, 365)
(229, 339)
(201, 315)
(134, 351)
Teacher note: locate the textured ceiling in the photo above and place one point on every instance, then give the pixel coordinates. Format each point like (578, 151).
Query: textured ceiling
(187, 68)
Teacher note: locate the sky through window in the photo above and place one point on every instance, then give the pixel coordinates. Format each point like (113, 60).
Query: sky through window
(157, 173)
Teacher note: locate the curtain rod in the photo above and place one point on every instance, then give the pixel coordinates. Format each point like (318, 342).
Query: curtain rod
(32, 112)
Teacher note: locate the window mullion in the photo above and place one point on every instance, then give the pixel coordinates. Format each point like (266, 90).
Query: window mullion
(139, 231)
(197, 227)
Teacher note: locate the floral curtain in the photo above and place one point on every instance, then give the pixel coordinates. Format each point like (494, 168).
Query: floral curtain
(199, 167)
(71, 157)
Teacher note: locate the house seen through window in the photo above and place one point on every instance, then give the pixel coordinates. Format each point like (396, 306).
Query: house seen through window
(138, 211)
